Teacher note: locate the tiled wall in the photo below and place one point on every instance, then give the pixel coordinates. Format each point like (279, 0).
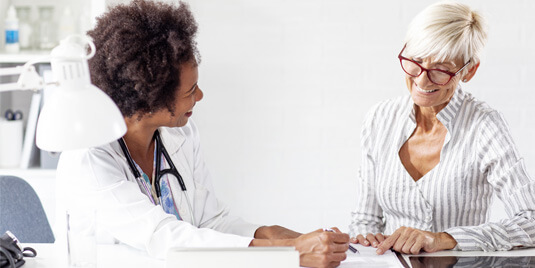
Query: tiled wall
(287, 84)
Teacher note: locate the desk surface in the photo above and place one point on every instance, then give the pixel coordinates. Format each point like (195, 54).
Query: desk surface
(108, 256)
(54, 255)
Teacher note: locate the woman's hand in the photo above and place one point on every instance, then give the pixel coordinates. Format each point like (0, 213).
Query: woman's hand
(369, 240)
(411, 241)
(321, 248)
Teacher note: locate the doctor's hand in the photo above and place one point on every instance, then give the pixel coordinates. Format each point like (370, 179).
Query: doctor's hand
(411, 241)
(321, 248)
(370, 240)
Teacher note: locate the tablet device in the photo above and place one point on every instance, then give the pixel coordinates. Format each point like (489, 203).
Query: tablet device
(472, 261)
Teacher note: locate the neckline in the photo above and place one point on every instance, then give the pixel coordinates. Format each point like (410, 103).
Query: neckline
(410, 128)
(406, 172)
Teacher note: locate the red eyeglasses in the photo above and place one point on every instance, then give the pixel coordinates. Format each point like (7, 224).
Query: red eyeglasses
(437, 76)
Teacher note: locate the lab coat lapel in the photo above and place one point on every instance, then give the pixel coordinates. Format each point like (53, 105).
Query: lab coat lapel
(172, 138)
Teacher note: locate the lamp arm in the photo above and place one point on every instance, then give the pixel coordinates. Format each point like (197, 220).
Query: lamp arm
(29, 79)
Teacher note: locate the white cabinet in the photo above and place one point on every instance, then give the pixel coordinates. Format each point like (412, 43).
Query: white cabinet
(22, 101)
(82, 17)
(52, 18)
(84, 12)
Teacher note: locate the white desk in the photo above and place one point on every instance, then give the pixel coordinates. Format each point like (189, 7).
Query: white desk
(112, 256)
(108, 256)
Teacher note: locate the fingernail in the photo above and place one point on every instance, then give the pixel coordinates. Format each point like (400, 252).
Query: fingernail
(379, 251)
(366, 242)
(374, 244)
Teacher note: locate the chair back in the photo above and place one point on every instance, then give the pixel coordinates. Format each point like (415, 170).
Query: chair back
(22, 213)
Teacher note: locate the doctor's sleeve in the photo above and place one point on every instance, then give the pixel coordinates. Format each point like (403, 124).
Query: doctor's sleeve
(505, 170)
(368, 215)
(98, 180)
(215, 215)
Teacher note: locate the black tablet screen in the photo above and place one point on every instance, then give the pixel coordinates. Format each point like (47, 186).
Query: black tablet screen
(475, 261)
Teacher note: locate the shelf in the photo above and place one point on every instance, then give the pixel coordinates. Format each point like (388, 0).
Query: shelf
(23, 56)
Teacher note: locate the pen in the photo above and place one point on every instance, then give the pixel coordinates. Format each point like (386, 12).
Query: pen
(354, 250)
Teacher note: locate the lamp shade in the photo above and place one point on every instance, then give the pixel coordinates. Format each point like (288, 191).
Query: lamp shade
(76, 114)
(78, 118)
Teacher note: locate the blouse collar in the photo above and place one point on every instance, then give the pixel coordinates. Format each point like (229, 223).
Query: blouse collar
(448, 114)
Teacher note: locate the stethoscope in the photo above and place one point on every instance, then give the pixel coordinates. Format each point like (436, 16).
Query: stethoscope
(146, 189)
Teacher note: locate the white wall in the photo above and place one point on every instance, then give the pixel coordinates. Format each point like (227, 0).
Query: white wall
(287, 84)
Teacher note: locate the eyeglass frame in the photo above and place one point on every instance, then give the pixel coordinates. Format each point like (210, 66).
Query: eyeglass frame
(422, 69)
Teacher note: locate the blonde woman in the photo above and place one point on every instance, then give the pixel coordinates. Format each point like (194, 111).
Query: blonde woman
(432, 160)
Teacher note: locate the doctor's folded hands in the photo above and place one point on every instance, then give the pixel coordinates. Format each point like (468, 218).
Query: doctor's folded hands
(151, 189)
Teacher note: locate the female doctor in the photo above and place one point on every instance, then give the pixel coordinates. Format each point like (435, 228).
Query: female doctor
(151, 189)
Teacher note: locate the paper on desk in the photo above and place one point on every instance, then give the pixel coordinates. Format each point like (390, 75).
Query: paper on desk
(368, 258)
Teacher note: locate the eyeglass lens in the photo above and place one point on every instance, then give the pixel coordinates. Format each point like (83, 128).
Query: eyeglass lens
(436, 76)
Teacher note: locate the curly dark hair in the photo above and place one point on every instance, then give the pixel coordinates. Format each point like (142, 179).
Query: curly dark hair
(139, 50)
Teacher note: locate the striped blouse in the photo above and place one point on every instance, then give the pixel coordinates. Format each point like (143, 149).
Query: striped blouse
(478, 158)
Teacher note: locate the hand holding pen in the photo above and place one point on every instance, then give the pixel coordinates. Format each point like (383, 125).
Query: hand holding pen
(354, 250)
(321, 248)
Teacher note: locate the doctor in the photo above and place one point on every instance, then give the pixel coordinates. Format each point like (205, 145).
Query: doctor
(152, 189)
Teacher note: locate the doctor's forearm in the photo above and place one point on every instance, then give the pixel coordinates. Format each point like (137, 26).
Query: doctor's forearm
(272, 243)
(275, 232)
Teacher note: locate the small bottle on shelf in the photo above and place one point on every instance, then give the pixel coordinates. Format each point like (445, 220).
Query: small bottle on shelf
(12, 31)
(47, 30)
(67, 24)
(25, 28)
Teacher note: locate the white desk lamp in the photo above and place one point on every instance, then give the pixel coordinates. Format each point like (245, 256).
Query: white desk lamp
(77, 114)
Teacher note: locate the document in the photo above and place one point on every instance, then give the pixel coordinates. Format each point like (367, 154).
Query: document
(366, 257)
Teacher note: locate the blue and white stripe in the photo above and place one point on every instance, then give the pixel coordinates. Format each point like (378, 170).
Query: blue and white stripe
(478, 159)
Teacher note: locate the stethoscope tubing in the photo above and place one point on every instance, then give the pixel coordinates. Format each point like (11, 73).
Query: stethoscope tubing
(139, 179)
(160, 149)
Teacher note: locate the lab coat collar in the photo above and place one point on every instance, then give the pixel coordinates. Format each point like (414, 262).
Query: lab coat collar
(172, 138)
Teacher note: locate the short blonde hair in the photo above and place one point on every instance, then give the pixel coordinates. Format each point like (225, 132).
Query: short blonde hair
(447, 31)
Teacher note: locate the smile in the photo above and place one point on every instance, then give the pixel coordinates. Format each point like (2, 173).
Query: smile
(425, 91)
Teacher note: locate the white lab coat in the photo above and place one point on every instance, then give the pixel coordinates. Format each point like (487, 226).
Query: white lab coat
(99, 178)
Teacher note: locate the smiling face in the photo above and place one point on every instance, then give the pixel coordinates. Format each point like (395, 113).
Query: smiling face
(187, 95)
(425, 93)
